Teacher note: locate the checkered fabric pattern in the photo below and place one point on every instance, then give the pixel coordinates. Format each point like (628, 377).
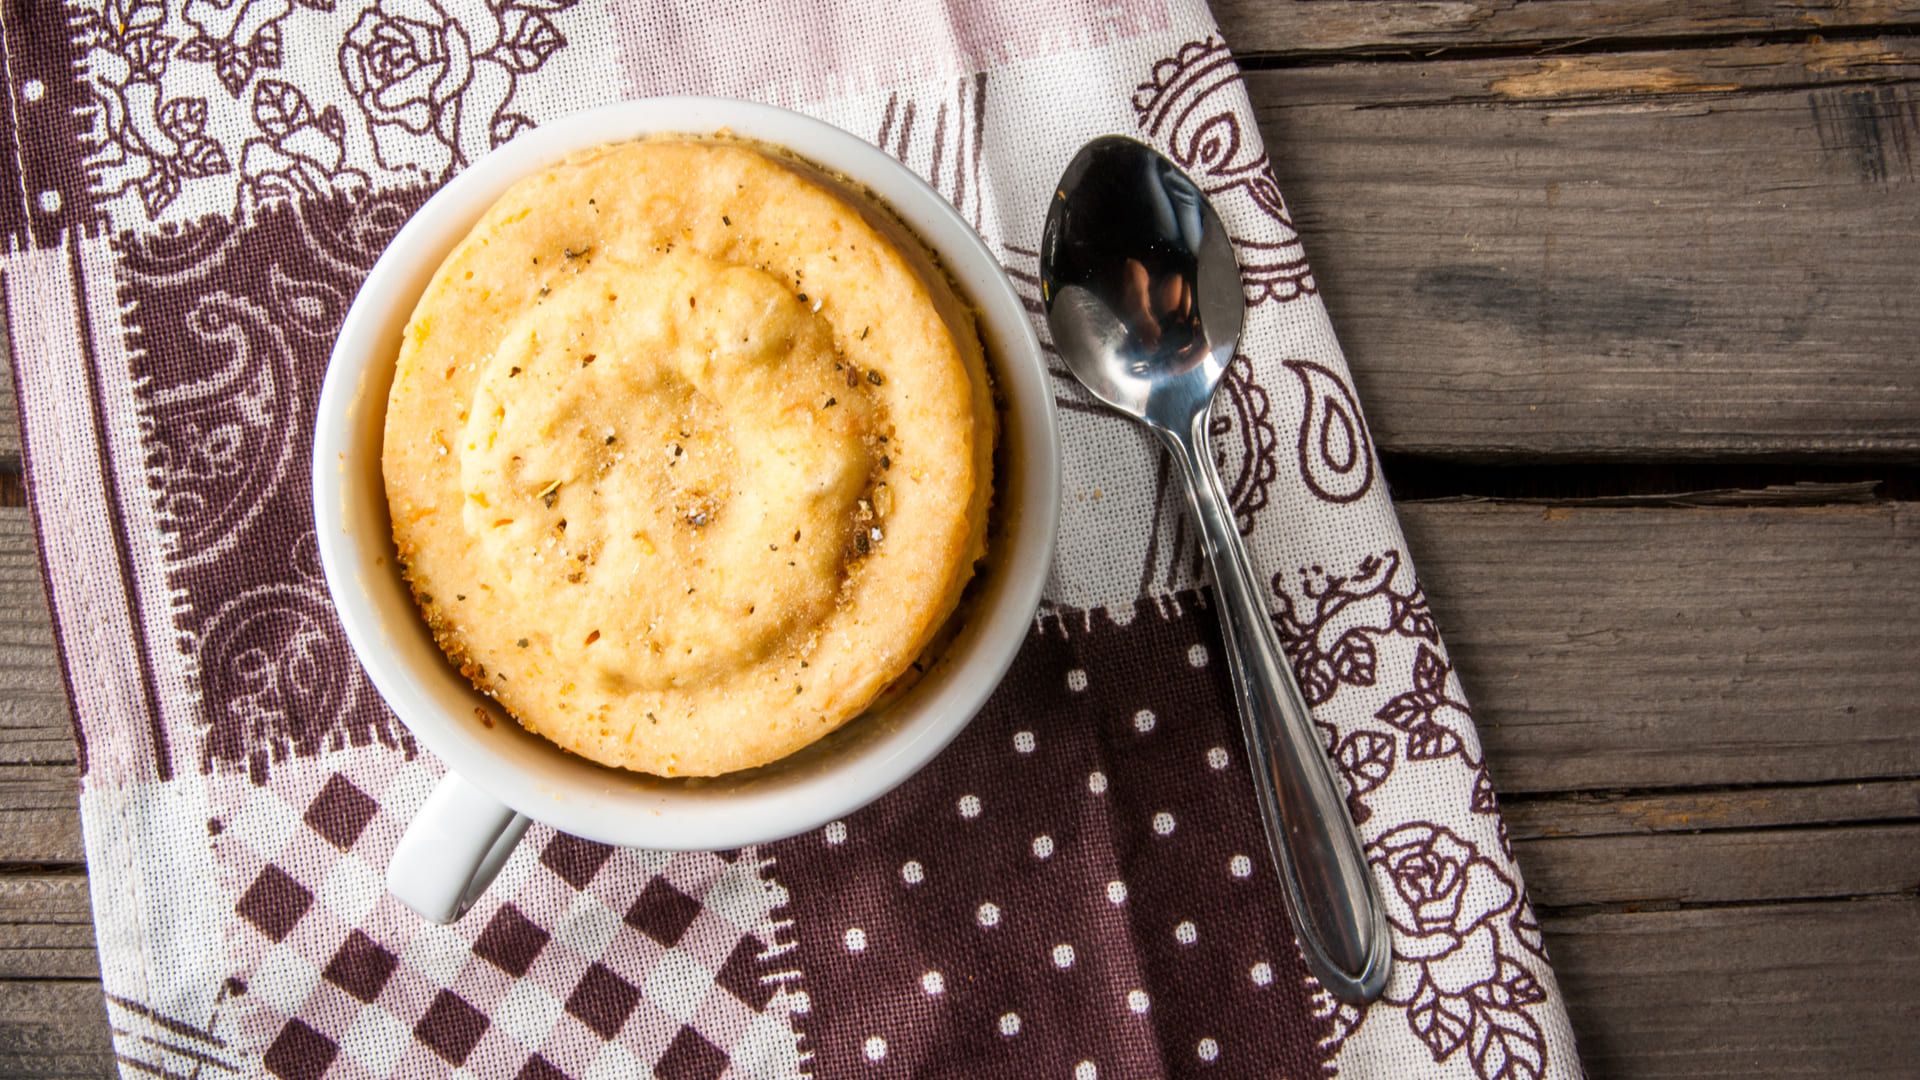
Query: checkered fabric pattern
(581, 961)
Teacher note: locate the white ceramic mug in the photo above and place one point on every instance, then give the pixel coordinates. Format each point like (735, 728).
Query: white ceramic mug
(500, 777)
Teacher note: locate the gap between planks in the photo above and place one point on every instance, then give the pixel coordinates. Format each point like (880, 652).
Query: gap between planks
(1591, 814)
(1265, 32)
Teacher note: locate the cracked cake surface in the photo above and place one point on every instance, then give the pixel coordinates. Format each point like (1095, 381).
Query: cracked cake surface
(688, 454)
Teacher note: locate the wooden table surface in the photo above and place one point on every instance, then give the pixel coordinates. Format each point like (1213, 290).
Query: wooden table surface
(1631, 291)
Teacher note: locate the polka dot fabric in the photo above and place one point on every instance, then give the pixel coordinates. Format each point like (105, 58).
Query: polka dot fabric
(1017, 921)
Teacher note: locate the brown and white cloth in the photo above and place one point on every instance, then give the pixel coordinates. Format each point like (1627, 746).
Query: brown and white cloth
(191, 192)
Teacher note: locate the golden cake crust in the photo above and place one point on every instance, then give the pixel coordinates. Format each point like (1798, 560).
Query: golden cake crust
(688, 454)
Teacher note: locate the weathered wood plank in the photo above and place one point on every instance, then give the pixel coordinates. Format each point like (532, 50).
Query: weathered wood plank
(40, 814)
(1599, 814)
(35, 726)
(46, 927)
(9, 411)
(1680, 648)
(1261, 29)
(1795, 990)
(1722, 867)
(1802, 493)
(1702, 253)
(1609, 78)
(54, 1029)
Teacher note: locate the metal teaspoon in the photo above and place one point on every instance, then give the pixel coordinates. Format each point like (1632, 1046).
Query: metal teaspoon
(1143, 296)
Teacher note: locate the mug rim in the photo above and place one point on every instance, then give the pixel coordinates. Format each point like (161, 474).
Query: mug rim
(599, 802)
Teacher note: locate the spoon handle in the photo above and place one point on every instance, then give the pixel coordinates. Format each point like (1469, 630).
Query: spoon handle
(1339, 919)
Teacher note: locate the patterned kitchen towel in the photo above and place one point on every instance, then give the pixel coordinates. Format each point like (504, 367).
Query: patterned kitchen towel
(1077, 888)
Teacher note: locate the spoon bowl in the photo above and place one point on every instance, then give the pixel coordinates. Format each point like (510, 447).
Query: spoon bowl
(1141, 284)
(1143, 296)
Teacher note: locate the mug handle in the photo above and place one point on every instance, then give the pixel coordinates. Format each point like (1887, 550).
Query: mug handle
(453, 850)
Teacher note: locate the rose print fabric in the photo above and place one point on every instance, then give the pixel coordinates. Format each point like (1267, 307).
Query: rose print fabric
(194, 190)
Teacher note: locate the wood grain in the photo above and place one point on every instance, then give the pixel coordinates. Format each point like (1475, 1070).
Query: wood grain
(1263, 30)
(1821, 990)
(35, 727)
(1673, 869)
(46, 927)
(9, 411)
(1648, 648)
(40, 813)
(54, 1028)
(1596, 814)
(1703, 253)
